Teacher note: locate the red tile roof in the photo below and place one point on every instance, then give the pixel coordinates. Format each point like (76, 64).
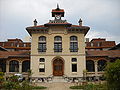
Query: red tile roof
(55, 10)
(6, 54)
(110, 53)
(75, 26)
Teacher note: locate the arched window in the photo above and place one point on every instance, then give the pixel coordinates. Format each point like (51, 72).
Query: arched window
(14, 66)
(25, 66)
(2, 66)
(90, 66)
(57, 44)
(73, 44)
(42, 38)
(101, 65)
(42, 44)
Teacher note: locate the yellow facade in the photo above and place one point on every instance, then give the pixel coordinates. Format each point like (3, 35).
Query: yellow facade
(49, 55)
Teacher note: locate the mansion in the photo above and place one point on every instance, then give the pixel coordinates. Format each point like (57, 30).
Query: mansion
(58, 49)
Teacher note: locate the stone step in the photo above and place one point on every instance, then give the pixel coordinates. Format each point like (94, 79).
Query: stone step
(58, 79)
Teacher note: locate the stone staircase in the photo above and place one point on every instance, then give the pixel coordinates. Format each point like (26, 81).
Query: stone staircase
(58, 79)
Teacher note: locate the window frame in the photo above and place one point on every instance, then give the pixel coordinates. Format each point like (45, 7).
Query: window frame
(42, 44)
(73, 44)
(57, 44)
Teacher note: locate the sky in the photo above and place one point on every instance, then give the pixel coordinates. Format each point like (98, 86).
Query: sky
(102, 16)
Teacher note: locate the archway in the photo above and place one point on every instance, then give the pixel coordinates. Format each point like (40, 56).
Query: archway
(14, 66)
(58, 67)
(101, 65)
(25, 66)
(2, 66)
(90, 66)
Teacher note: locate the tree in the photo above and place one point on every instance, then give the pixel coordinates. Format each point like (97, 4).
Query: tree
(112, 74)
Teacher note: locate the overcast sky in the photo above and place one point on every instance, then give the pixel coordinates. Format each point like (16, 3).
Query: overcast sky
(102, 16)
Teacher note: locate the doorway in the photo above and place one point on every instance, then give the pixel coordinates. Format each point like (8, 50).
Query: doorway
(58, 67)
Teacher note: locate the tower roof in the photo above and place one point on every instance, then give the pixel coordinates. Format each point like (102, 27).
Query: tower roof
(57, 11)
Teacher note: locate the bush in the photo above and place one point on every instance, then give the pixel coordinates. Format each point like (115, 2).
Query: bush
(1, 79)
(13, 84)
(112, 74)
(10, 85)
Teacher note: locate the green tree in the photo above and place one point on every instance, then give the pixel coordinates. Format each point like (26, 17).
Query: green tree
(112, 74)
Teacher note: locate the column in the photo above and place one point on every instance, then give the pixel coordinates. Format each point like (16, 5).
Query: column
(20, 67)
(7, 66)
(96, 69)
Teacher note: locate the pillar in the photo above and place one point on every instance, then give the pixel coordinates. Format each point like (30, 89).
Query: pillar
(96, 69)
(7, 66)
(20, 67)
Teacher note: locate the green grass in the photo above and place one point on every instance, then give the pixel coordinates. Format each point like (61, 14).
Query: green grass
(90, 87)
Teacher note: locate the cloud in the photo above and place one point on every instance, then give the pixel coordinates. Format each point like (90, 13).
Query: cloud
(104, 34)
(103, 16)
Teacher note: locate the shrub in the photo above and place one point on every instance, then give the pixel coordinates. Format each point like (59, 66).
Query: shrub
(112, 74)
(1, 79)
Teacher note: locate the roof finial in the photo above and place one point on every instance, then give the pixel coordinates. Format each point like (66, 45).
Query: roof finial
(80, 22)
(35, 22)
(58, 7)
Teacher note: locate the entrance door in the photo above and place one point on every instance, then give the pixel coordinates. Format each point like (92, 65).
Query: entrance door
(58, 67)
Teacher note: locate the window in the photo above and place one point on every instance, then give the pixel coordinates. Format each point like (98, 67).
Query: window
(92, 44)
(74, 60)
(2, 66)
(73, 44)
(42, 65)
(42, 44)
(90, 66)
(42, 60)
(14, 66)
(101, 65)
(74, 67)
(25, 66)
(58, 44)
(74, 64)
(41, 68)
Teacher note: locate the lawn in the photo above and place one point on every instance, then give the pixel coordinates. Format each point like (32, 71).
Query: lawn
(90, 87)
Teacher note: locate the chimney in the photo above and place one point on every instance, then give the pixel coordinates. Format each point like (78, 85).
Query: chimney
(80, 22)
(35, 22)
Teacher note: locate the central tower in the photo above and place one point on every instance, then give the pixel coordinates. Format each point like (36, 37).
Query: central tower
(58, 47)
(57, 13)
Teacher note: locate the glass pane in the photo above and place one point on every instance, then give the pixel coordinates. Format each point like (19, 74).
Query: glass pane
(74, 60)
(74, 67)
(42, 60)
(58, 38)
(73, 38)
(42, 38)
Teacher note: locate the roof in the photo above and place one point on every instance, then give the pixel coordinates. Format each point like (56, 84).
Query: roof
(7, 54)
(110, 53)
(58, 24)
(100, 43)
(117, 47)
(55, 10)
(2, 49)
